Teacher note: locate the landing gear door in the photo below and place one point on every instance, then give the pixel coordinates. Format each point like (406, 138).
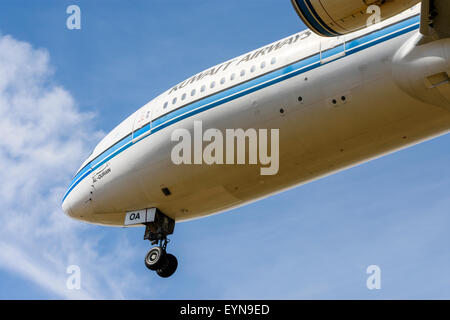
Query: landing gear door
(142, 123)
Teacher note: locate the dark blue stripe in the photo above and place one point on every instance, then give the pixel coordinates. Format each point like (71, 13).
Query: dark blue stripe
(246, 88)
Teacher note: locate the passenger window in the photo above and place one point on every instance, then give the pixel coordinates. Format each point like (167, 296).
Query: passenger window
(203, 88)
(165, 105)
(222, 81)
(174, 100)
(273, 61)
(213, 84)
(183, 96)
(252, 69)
(233, 76)
(242, 73)
(263, 65)
(193, 93)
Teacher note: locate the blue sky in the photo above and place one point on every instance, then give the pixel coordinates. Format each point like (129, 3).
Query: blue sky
(312, 242)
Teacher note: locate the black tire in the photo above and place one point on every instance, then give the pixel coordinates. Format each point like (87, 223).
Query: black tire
(155, 258)
(169, 267)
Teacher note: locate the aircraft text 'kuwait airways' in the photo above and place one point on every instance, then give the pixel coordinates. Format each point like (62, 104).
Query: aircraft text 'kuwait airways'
(246, 58)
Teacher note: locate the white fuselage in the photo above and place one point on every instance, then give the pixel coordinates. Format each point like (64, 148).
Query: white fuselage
(337, 102)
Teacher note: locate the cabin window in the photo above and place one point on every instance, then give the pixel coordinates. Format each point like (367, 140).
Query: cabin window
(193, 92)
(233, 76)
(165, 105)
(174, 100)
(203, 88)
(183, 96)
(213, 84)
(263, 65)
(252, 69)
(273, 61)
(242, 73)
(222, 81)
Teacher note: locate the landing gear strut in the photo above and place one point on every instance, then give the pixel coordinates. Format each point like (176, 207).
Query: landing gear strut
(157, 259)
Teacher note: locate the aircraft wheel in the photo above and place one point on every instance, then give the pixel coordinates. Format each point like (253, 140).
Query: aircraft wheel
(155, 258)
(169, 267)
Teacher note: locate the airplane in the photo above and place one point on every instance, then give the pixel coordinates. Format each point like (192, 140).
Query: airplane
(364, 80)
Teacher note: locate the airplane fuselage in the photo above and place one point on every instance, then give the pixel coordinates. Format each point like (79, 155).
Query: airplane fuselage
(337, 102)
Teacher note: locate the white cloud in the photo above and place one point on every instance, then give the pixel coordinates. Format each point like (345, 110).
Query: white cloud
(43, 139)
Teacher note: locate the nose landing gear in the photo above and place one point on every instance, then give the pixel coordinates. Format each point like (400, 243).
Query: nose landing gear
(157, 259)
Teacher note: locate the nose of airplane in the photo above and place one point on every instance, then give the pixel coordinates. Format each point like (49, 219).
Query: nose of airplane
(76, 200)
(76, 203)
(66, 207)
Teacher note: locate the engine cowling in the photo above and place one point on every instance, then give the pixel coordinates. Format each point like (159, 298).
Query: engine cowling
(332, 18)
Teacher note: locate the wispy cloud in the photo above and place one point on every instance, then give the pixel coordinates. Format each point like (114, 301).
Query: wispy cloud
(43, 139)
